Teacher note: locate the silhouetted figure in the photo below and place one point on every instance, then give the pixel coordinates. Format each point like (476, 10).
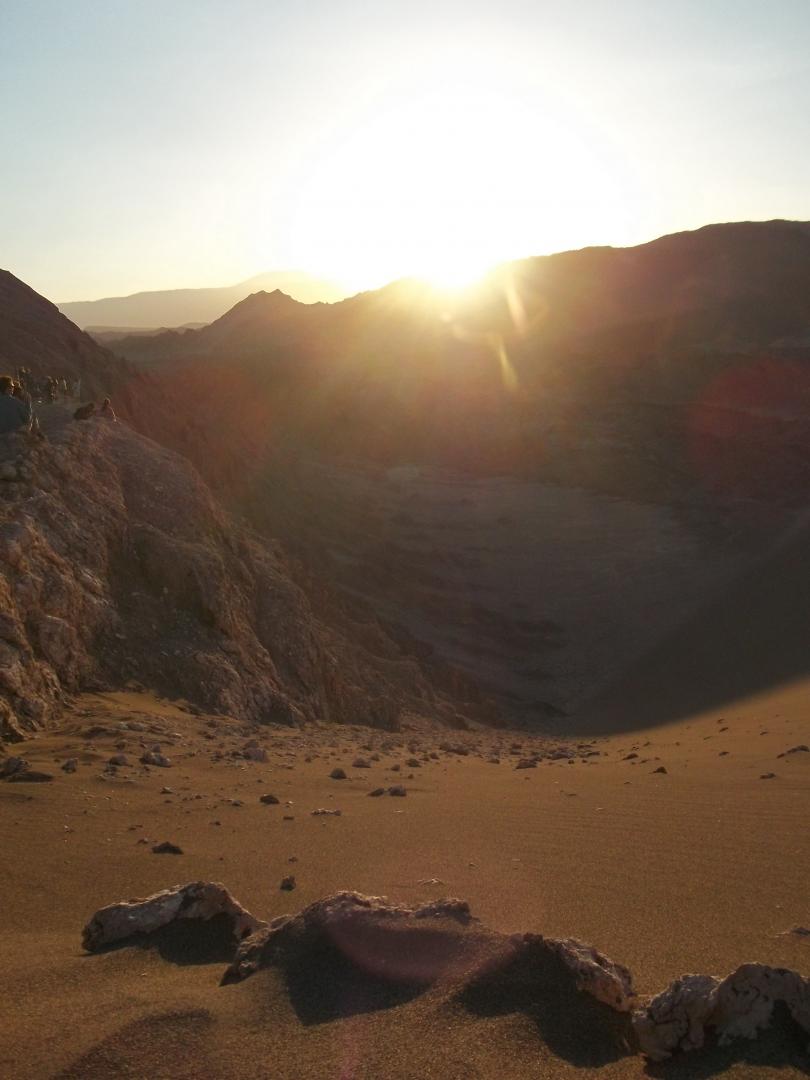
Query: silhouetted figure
(15, 412)
(107, 411)
(84, 412)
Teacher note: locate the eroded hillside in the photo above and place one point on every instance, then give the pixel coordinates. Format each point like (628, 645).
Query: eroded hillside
(117, 564)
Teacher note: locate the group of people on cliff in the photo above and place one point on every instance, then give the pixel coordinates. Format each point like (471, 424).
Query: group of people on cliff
(18, 395)
(41, 388)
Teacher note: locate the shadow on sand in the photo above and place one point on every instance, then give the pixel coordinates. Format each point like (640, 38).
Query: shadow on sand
(573, 1025)
(185, 941)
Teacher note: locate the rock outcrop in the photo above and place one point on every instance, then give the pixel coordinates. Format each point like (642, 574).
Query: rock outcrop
(441, 942)
(197, 900)
(739, 1006)
(118, 564)
(360, 927)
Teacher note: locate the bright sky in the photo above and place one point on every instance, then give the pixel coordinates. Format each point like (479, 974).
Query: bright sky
(149, 144)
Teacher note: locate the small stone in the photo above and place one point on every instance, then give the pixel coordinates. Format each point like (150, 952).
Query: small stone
(288, 883)
(29, 776)
(397, 789)
(70, 765)
(526, 763)
(268, 800)
(660, 769)
(360, 763)
(377, 791)
(337, 774)
(321, 812)
(119, 759)
(166, 848)
(155, 757)
(768, 776)
(11, 766)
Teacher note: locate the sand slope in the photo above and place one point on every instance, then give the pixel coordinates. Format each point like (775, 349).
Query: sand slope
(698, 869)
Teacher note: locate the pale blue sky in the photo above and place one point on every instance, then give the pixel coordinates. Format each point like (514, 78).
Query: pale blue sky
(197, 142)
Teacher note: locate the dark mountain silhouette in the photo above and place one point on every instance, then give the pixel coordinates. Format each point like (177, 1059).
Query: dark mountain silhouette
(178, 307)
(34, 334)
(685, 346)
(673, 375)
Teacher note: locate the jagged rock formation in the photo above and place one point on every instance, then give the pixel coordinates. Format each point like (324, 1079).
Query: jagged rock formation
(739, 1006)
(198, 900)
(362, 928)
(418, 947)
(116, 563)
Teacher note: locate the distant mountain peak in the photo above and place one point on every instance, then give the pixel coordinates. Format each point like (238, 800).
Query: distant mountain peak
(172, 308)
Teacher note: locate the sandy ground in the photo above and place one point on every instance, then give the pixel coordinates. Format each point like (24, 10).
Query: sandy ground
(697, 869)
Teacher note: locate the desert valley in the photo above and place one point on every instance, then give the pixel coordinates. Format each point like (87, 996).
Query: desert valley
(404, 531)
(494, 607)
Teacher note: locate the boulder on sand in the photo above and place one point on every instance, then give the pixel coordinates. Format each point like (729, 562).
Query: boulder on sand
(197, 900)
(741, 1005)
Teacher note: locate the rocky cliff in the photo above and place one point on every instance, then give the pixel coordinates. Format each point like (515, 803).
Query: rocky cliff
(117, 564)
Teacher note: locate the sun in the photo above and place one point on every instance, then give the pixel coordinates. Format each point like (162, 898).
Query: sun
(441, 185)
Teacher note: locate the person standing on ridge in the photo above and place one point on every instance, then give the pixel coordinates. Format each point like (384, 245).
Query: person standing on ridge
(15, 412)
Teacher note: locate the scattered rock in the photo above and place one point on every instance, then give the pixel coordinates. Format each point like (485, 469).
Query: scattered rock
(768, 776)
(29, 776)
(253, 752)
(288, 883)
(166, 848)
(660, 769)
(119, 760)
(321, 812)
(11, 766)
(358, 763)
(397, 789)
(155, 757)
(376, 792)
(268, 800)
(71, 765)
(337, 774)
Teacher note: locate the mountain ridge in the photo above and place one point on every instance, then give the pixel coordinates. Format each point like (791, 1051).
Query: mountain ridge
(175, 307)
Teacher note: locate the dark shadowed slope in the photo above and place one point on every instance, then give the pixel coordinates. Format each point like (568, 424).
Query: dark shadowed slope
(34, 334)
(753, 636)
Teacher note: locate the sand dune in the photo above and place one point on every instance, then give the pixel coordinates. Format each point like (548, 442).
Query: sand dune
(700, 868)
